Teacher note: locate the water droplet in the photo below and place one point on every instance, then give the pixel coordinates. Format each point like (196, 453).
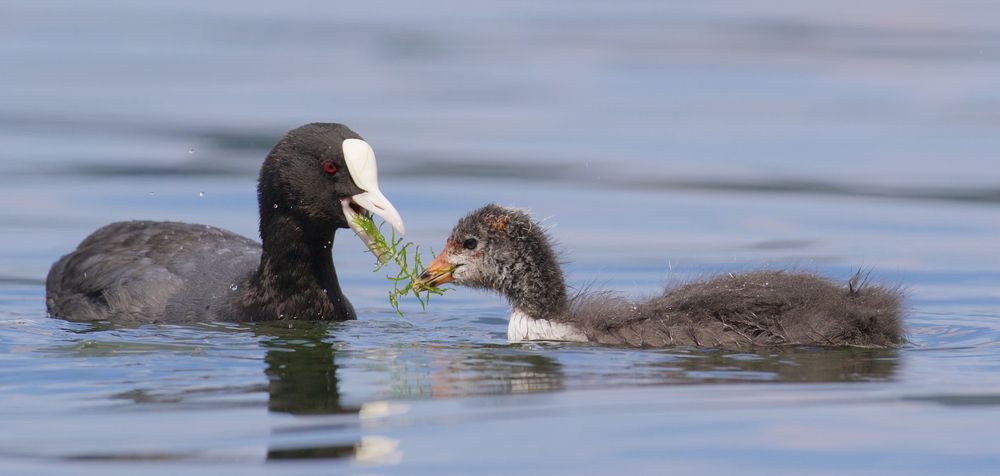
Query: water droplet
(191, 151)
(201, 194)
(233, 286)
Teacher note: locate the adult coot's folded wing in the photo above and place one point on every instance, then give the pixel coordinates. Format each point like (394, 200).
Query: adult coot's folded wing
(131, 271)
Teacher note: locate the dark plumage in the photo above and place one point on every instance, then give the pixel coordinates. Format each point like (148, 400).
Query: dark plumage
(504, 250)
(313, 181)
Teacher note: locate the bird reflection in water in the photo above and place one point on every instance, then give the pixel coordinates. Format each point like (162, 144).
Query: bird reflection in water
(302, 380)
(799, 365)
(495, 371)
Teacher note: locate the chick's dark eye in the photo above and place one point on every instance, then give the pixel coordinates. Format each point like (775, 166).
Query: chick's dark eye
(329, 167)
(470, 244)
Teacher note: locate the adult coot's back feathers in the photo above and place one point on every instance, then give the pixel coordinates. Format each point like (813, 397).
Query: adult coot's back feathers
(504, 250)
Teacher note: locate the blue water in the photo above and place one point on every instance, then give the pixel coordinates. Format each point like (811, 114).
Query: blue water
(661, 141)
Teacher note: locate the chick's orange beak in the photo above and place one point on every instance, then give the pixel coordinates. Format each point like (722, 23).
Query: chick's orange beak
(439, 272)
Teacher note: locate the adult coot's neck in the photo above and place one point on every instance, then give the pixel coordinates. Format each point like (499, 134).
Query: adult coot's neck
(296, 278)
(533, 281)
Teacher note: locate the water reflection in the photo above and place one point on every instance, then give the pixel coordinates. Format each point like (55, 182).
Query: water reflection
(798, 365)
(302, 380)
(316, 452)
(494, 371)
(445, 371)
(301, 370)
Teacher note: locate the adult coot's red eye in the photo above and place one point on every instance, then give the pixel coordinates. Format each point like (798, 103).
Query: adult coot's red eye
(329, 167)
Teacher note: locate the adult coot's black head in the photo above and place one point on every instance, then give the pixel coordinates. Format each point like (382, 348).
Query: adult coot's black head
(324, 174)
(318, 178)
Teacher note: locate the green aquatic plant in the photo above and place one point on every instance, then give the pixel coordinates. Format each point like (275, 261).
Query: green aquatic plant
(394, 250)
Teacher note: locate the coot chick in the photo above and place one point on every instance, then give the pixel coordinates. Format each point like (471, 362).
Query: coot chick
(504, 250)
(315, 180)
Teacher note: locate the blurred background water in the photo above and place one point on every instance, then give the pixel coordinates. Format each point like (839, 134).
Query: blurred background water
(661, 141)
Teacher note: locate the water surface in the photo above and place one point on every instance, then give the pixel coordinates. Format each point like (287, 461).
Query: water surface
(661, 142)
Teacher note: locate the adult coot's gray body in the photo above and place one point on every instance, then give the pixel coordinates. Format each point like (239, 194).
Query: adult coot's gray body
(314, 181)
(504, 250)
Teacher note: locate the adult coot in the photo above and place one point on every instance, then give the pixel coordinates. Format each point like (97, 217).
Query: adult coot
(504, 250)
(314, 181)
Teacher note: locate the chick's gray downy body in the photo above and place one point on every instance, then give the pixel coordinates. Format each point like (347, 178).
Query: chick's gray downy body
(504, 250)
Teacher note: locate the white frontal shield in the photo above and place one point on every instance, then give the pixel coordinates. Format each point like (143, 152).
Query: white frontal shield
(360, 159)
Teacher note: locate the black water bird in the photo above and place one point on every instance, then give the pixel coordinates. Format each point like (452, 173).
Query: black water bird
(504, 250)
(315, 180)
